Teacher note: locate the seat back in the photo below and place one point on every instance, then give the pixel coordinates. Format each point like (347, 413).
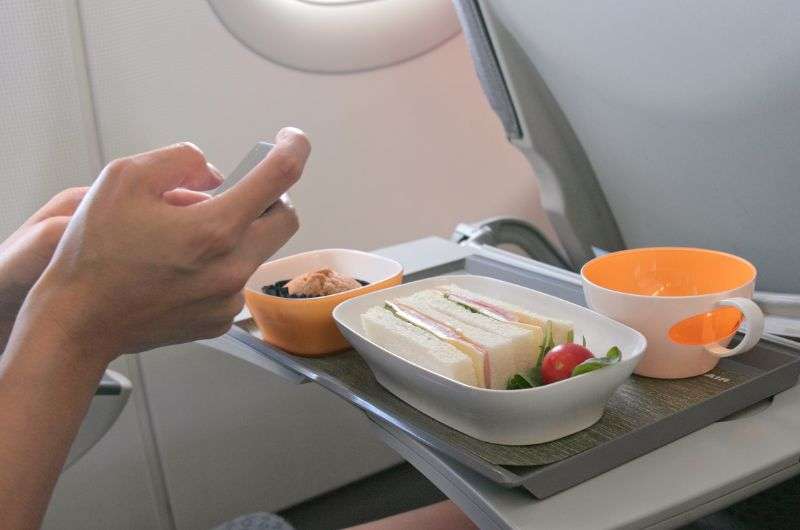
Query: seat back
(681, 119)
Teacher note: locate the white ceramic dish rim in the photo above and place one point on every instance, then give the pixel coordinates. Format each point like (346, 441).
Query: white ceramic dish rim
(398, 269)
(638, 352)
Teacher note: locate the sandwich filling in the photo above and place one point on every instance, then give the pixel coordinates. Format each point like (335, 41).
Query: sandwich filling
(446, 333)
(483, 308)
(503, 311)
(478, 341)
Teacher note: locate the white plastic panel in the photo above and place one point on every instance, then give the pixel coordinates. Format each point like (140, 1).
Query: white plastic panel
(43, 147)
(47, 145)
(417, 137)
(109, 487)
(235, 439)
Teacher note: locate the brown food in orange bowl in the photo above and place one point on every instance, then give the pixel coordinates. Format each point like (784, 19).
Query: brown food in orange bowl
(323, 282)
(300, 321)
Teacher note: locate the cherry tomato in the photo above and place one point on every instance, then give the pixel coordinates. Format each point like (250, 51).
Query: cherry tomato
(559, 362)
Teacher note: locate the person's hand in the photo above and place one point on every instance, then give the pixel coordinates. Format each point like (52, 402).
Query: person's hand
(148, 260)
(26, 253)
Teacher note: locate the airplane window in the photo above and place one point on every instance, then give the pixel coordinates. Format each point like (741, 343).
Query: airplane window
(335, 36)
(323, 2)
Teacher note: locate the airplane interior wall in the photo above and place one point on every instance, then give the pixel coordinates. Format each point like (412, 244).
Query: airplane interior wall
(399, 153)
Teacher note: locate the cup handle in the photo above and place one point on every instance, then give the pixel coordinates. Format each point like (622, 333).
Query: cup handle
(755, 327)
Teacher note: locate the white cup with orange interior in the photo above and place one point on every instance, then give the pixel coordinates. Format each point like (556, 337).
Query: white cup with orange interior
(687, 302)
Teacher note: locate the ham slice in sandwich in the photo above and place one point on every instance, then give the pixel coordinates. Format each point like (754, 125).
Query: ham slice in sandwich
(521, 342)
(505, 312)
(492, 355)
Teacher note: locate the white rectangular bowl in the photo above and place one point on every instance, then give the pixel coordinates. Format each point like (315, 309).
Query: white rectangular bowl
(509, 417)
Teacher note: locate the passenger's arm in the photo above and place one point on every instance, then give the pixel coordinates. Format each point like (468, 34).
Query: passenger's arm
(46, 385)
(26, 253)
(440, 516)
(146, 261)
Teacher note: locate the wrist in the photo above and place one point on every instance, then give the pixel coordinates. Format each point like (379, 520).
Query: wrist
(61, 313)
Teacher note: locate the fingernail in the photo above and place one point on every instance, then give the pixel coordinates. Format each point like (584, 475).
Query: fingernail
(287, 132)
(285, 199)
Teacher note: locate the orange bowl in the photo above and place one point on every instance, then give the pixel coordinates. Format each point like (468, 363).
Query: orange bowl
(304, 326)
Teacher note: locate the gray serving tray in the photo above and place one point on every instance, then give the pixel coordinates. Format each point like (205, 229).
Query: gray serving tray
(643, 414)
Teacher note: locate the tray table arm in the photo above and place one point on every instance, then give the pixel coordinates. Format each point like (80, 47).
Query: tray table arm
(229, 345)
(497, 231)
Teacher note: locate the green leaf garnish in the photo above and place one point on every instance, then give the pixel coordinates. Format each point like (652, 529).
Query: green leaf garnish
(549, 342)
(595, 363)
(536, 376)
(589, 365)
(583, 340)
(570, 336)
(518, 382)
(546, 346)
(462, 304)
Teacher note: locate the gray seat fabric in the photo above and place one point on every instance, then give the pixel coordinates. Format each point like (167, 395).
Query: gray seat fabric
(486, 64)
(256, 521)
(689, 113)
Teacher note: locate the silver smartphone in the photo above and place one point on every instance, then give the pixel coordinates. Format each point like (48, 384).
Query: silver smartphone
(251, 160)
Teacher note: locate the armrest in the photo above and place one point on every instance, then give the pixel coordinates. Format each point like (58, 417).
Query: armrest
(110, 399)
(497, 231)
(109, 386)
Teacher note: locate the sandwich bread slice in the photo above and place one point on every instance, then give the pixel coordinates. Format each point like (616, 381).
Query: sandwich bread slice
(493, 355)
(524, 339)
(418, 346)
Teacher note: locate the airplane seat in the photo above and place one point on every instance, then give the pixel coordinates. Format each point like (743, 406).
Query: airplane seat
(653, 124)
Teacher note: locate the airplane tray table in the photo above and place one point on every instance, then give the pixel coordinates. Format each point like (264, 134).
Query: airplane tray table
(642, 415)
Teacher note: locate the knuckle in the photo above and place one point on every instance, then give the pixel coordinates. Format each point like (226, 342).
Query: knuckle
(117, 167)
(192, 154)
(70, 196)
(230, 284)
(49, 231)
(217, 239)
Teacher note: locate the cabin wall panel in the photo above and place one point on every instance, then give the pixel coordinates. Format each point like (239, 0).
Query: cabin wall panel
(45, 148)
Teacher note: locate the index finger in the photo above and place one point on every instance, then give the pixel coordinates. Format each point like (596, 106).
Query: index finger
(179, 165)
(272, 177)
